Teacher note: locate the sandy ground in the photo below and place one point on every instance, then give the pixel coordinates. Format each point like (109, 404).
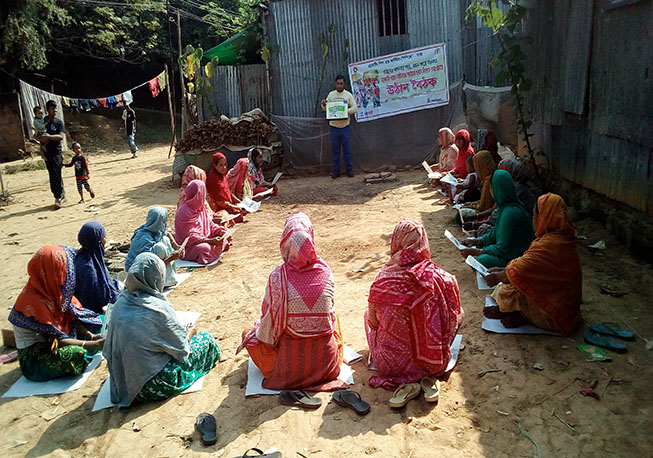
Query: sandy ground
(493, 386)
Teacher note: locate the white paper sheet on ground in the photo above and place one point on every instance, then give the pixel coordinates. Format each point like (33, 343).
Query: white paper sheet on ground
(276, 178)
(350, 356)
(453, 358)
(427, 167)
(249, 205)
(255, 379)
(482, 284)
(226, 219)
(181, 263)
(453, 240)
(265, 193)
(103, 400)
(497, 326)
(23, 387)
(449, 179)
(180, 279)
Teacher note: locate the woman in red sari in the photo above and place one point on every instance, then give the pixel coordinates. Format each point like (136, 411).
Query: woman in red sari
(297, 343)
(464, 144)
(414, 312)
(218, 194)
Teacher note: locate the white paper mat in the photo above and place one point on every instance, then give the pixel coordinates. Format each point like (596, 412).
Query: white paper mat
(23, 387)
(453, 359)
(180, 279)
(255, 379)
(496, 326)
(103, 400)
(182, 263)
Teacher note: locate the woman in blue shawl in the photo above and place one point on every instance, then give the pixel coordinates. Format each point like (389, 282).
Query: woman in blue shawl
(152, 237)
(151, 356)
(94, 286)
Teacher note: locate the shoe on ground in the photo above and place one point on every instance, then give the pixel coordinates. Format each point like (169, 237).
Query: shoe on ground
(57, 204)
(134, 155)
(350, 174)
(335, 175)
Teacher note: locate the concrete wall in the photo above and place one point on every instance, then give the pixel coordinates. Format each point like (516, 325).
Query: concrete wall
(12, 137)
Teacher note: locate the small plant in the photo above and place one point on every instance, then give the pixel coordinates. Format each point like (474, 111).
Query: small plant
(511, 60)
(198, 82)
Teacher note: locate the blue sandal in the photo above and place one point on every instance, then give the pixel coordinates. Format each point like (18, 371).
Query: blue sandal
(611, 329)
(605, 342)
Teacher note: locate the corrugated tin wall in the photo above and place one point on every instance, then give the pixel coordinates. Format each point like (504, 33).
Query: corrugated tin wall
(236, 90)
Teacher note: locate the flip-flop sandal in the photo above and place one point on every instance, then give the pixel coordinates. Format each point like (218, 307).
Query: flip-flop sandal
(299, 398)
(605, 342)
(207, 427)
(260, 453)
(611, 329)
(403, 394)
(431, 388)
(352, 400)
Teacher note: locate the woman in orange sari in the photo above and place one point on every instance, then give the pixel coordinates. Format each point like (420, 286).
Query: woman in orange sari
(544, 286)
(297, 343)
(484, 166)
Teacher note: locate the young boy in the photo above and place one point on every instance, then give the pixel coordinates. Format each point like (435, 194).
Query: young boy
(39, 127)
(81, 171)
(470, 189)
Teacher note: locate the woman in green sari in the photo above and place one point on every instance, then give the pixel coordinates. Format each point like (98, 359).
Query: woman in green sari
(513, 232)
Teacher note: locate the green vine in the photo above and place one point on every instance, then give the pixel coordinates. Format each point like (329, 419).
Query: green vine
(511, 60)
(198, 82)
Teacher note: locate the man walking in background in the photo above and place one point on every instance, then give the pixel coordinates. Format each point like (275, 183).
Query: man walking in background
(339, 128)
(54, 135)
(130, 129)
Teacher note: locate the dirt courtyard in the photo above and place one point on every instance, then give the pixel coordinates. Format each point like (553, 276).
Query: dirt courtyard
(493, 391)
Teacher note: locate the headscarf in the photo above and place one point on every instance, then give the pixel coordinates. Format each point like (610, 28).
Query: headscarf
(463, 153)
(299, 295)
(520, 178)
(412, 281)
(492, 145)
(147, 235)
(192, 220)
(504, 191)
(255, 171)
(143, 334)
(217, 187)
(191, 173)
(448, 149)
(549, 272)
(484, 166)
(94, 286)
(47, 305)
(238, 178)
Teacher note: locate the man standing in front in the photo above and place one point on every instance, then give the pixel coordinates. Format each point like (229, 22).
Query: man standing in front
(339, 128)
(130, 129)
(54, 135)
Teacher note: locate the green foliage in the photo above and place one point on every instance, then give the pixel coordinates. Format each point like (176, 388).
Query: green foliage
(269, 50)
(199, 82)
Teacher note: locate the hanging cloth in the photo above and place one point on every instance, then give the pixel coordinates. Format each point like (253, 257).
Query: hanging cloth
(103, 102)
(163, 80)
(111, 101)
(154, 86)
(120, 102)
(128, 97)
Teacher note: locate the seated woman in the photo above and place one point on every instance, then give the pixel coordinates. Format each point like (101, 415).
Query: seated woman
(153, 237)
(94, 287)
(513, 231)
(194, 222)
(484, 166)
(491, 144)
(448, 150)
(218, 193)
(464, 144)
(239, 180)
(544, 286)
(256, 173)
(150, 355)
(191, 173)
(470, 189)
(297, 343)
(53, 332)
(414, 312)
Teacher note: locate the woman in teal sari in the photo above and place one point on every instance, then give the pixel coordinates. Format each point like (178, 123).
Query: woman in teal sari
(513, 232)
(150, 355)
(153, 237)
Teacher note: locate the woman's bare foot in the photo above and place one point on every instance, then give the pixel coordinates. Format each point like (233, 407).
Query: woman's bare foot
(513, 320)
(81, 201)
(492, 312)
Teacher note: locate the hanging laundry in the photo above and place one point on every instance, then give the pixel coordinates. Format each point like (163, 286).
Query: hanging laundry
(85, 104)
(94, 103)
(128, 97)
(65, 102)
(154, 86)
(163, 80)
(111, 101)
(103, 102)
(74, 105)
(119, 100)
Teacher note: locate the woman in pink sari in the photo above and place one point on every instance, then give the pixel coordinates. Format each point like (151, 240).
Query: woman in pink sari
(414, 312)
(191, 173)
(240, 183)
(297, 343)
(193, 221)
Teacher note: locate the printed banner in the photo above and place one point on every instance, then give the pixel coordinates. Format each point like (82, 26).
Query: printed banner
(399, 83)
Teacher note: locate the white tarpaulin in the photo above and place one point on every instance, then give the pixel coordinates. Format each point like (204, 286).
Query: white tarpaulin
(399, 83)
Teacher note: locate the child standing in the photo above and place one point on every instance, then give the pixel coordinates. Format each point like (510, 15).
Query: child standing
(38, 124)
(81, 171)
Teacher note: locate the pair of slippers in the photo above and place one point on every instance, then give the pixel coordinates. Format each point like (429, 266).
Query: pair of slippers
(602, 335)
(430, 386)
(344, 398)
